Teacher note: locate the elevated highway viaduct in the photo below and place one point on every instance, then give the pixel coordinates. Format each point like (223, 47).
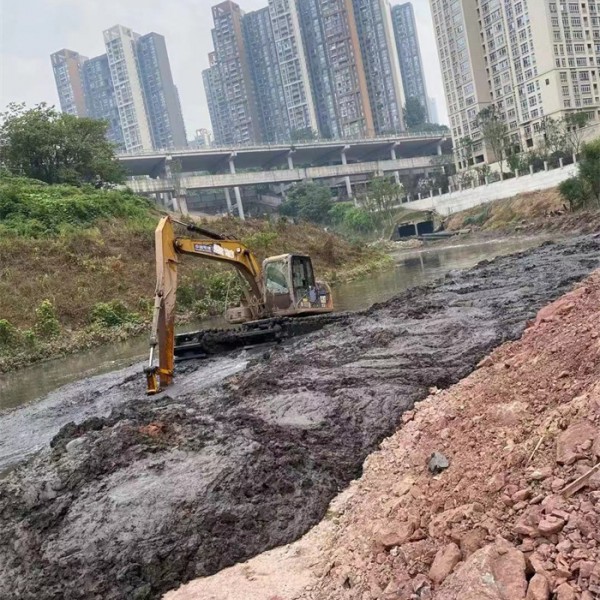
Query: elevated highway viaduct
(170, 175)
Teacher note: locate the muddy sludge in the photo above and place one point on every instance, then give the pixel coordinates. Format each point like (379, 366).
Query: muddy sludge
(165, 490)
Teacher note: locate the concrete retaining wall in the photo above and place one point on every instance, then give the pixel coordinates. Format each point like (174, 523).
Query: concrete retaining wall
(448, 204)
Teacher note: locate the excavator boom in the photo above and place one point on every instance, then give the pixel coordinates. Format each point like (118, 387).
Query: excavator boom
(168, 248)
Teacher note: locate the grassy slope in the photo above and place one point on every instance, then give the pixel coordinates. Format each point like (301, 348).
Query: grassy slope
(526, 212)
(72, 252)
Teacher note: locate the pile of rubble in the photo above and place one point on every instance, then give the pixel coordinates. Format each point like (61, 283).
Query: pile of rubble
(516, 513)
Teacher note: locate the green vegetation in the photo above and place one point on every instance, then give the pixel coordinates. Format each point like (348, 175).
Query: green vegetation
(309, 202)
(77, 266)
(31, 208)
(55, 147)
(415, 117)
(477, 219)
(113, 314)
(583, 191)
(374, 216)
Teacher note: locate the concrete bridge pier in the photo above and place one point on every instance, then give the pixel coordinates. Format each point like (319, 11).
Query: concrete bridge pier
(182, 201)
(347, 177)
(396, 173)
(236, 189)
(228, 200)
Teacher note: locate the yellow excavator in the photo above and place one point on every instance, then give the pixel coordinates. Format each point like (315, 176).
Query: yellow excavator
(285, 287)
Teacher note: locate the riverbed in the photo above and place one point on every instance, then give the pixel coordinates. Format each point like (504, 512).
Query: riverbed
(182, 485)
(411, 268)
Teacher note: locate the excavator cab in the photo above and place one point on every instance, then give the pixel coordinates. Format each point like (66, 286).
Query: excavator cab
(290, 287)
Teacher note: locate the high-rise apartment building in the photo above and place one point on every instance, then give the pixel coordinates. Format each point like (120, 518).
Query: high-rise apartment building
(261, 74)
(409, 53)
(202, 138)
(232, 61)
(266, 75)
(68, 75)
(432, 108)
(120, 45)
(130, 87)
(162, 98)
(100, 97)
(336, 68)
(381, 64)
(291, 61)
(529, 59)
(216, 100)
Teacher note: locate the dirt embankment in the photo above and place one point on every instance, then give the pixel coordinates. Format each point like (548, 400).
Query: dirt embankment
(100, 281)
(169, 489)
(533, 212)
(500, 523)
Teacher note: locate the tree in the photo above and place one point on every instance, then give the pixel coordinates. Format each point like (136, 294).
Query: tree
(308, 201)
(415, 115)
(54, 147)
(494, 132)
(382, 197)
(574, 124)
(552, 136)
(589, 170)
(584, 189)
(464, 151)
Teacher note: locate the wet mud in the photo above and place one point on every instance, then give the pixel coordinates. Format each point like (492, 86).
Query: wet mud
(163, 490)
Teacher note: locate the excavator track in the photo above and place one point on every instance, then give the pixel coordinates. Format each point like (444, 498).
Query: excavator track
(210, 342)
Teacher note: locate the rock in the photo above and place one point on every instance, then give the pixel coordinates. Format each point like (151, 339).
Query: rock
(438, 463)
(445, 520)
(521, 495)
(568, 446)
(565, 592)
(495, 572)
(496, 482)
(540, 474)
(550, 525)
(445, 561)
(420, 582)
(486, 362)
(527, 524)
(539, 588)
(472, 540)
(395, 536)
(74, 446)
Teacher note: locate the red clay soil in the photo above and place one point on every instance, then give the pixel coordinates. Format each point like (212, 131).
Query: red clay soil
(408, 534)
(497, 524)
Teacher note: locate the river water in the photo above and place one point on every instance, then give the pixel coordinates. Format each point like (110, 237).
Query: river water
(412, 268)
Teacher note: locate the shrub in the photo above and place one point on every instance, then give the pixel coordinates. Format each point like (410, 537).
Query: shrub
(7, 333)
(113, 314)
(573, 192)
(46, 322)
(33, 209)
(260, 241)
(477, 219)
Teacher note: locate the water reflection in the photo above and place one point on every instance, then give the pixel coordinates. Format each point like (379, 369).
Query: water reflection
(422, 266)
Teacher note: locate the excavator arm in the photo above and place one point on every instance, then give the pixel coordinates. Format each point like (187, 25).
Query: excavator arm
(168, 248)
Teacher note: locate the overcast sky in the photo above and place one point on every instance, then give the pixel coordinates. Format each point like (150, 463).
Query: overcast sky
(31, 30)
